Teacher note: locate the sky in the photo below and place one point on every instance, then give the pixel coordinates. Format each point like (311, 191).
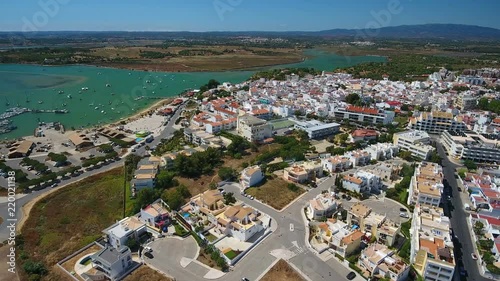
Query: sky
(238, 15)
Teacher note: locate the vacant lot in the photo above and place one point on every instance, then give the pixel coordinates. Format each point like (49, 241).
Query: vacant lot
(282, 271)
(268, 191)
(201, 58)
(71, 218)
(146, 273)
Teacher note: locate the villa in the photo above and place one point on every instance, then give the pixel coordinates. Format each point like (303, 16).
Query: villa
(240, 222)
(111, 263)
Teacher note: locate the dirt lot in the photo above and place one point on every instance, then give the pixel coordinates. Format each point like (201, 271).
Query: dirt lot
(282, 271)
(267, 193)
(146, 273)
(222, 58)
(71, 218)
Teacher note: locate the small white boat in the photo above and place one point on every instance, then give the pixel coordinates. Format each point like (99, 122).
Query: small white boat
(108, 85)
(96, 108)
(40, 102)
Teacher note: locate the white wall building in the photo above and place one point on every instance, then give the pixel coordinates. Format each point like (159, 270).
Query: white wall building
(472, 146)
(317, 129)
(361, 182)
(363, 114)
(382, 151)
(426, 185)
(436, 122)
(251, 176)
(323, 205)
(253, 129)
(416, 142)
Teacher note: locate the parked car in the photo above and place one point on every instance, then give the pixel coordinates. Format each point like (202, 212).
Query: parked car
(402, 209)
(459, 189)
(348, 198)
(244, 279)
(148, 249)
(404, 215)
(474, 256)
(351, 275)
(148, 255)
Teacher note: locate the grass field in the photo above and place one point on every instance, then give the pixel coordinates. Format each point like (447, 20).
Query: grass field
(268, 191)
(72, 217)
(282, 271)
(281, 124)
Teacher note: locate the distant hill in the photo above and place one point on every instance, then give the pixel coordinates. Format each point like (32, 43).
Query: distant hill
(423, 31)
(434, 31)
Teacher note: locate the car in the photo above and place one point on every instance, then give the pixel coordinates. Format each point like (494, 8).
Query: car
(474, 256)
(244, 279)
(30, 168)
(344, 196)
(462, 271)
(351, 275)
(251, 197)
(148, 255)
(402, 209)
(404, 215)
(148, 249)
(54, 185)
(133, 149)
(460, 189)
(348, 198)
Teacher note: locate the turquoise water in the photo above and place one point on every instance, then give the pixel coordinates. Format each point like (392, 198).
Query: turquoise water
(112, 93)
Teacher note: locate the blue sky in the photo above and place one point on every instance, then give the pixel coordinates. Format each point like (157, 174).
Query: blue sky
(239, 15)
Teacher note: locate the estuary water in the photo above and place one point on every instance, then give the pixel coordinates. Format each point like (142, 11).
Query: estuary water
(97, 95)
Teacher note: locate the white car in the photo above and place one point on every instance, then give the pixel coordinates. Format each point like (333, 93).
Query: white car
(404, 215)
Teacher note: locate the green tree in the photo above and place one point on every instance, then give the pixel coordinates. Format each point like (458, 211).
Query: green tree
(406, 155)
(31, 267)
(434, 157)
(173, 198)
(353, 98)
(469, 164)
(229, 198)
(165, 179)
(227, 173)
(478, 228)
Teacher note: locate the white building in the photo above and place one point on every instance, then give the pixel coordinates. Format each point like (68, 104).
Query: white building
(361, 182)
(358, 158)
(317, 129)
(240, 222)
(336, 164)
(379, 260)
(436, 122)
(472, 146)
(253, 129)
(426, 185)
(364, 114)
(431, 244)
(382, 151)
(119, 233)
(416, 142)
(251, 176)
(323, 205)
(112, 263)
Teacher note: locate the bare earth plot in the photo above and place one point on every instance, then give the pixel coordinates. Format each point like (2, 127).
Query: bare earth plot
(282, 271)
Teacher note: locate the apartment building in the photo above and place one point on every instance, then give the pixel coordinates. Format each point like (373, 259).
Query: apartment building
(361, 182)
(253, 129)
(303, 172)
(431, 244)
(465, 101)
(472, 146)
(336, 164)
(382, 262)
(426, 185)
(316, 129)
(382, 151)
(251, 176)
(436, 122)
(416, 142)
(363, 135)
(364, 114)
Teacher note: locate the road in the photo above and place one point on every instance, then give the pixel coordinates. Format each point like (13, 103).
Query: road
(458, 219)
(167, 132)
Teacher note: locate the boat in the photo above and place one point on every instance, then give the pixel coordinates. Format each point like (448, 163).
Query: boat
(112, 94)
(64, 104)
(85, 88)
(108, 85)
(40, 102)
(96, 108)
(69, 96)
(61, 92)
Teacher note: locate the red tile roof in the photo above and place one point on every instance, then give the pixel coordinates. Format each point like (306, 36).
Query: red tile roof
(365, 110)
(364, 133)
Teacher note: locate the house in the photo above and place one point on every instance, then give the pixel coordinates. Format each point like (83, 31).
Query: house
(381, 262)
(145, 176)
(361, 182)
(112, 263)
(209, 203)
(21, 149)
(240, 222)
(251, 176)
(118, 234)
(363, 135)
(322, 206)
(336, 164)
(303, 172)
(358, 158)
(357, 213)
(382, 151)
(80, 140)
(156, 215)
(387, 233)
(346, 244)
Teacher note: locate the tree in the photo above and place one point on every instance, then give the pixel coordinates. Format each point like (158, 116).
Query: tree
(341, 138)
(165, 179)
(406, 155)
(32, 267)
(58, 158)
(106, 148)
(173, 198)
(469, 164)
(229, 198)
(478, 228)
(434, 157)
(144, 198)
(405, 107)
(353, 98)
(227, 173)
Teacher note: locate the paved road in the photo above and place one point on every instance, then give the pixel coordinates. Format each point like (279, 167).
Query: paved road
(458, 219)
